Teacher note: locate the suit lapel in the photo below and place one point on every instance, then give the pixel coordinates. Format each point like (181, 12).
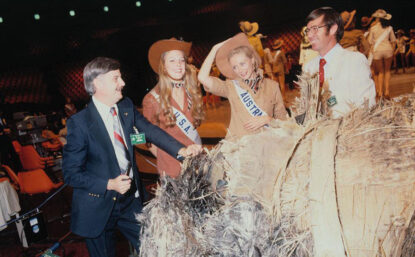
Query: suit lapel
(101, 134)
(125, 116)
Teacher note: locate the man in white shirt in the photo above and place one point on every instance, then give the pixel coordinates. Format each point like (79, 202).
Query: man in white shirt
(345, 73)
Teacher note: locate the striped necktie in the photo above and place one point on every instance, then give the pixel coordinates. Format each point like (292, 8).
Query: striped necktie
(119, 144)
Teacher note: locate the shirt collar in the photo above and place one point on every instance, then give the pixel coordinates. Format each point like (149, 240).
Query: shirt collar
(103, 109)
(331, 53)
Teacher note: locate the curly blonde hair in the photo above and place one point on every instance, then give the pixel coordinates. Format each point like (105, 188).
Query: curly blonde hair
(165, 90)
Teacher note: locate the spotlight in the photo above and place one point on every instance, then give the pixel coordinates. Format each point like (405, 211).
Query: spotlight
(106, 9)
(138, 3)
(72, 13)
(36, 16)
(1, 19)
(170, 0)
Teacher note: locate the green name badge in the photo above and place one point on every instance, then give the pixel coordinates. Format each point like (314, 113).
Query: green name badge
(332, 101)
(137, 139)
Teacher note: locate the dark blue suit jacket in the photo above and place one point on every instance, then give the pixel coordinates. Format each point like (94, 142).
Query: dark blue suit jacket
(89, 161)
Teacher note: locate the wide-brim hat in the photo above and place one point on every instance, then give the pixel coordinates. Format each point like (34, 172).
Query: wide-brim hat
(221, 58)
(347, 18)
(165, 45)
(411, 31)
(248, 27)
(365, 21)
(380, 13)
(277, 43)
(400, 32)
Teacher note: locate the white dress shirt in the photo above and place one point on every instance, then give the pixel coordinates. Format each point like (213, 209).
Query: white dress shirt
(349, 79)
(106, 116)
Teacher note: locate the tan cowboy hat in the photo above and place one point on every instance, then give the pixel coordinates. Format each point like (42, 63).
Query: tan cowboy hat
(380, 13)
(165, 45)
(347, 18)
(221, 59)
(277, 43)
(411, 31)
(365, 21)
(248, 28)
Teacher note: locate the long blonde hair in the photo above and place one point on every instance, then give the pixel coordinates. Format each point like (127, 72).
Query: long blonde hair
(165, 91)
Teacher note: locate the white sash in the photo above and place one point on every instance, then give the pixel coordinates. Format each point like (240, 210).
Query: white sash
(248, 101)
(183, 123)
(378, 41)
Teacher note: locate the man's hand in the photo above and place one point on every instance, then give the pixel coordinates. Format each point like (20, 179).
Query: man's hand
(190, 151)
(121, 184)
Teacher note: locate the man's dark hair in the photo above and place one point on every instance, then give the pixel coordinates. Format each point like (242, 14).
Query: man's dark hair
(330, 18)
(96, 67)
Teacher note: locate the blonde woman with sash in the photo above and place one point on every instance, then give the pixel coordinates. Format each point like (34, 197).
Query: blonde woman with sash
(255, 101)
(175, 103)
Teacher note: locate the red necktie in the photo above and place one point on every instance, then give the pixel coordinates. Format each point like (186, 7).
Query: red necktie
(119, 144)
(321, 71)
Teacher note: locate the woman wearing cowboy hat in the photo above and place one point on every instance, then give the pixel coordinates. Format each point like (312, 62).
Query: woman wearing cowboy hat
(175, 103)
(255, 101)
(382, 39)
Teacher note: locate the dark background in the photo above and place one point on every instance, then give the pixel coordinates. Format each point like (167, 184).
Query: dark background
(55, 48)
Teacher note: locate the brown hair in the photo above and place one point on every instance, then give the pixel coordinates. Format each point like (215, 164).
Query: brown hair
(330, 18)
(192, 86)
(96, 67)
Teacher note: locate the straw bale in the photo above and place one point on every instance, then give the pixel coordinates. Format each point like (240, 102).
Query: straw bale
(270, 194)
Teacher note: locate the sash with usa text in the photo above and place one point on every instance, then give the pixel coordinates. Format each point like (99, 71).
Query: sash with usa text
(183, 123)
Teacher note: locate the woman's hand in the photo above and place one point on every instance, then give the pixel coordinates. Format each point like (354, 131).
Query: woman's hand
(255, 123)
(190, 151)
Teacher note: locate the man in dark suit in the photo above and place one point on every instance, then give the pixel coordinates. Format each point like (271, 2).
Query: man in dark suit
(99, 162)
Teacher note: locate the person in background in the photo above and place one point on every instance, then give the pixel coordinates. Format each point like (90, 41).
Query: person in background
(255, 101)
(278, 62)
(99, 161)
(70, 108)
(400, 50)
(175, 104)
(411, 51)
(250, 29)
(345, 74)
(382, 40)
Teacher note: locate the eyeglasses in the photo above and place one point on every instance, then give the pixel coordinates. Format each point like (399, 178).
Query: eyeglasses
(314, 29)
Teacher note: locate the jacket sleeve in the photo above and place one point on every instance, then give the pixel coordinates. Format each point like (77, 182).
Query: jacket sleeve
(74, 165)
(156, 135)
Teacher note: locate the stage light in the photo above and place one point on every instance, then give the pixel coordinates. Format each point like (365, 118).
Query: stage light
(36, 16)
(138, 3)
(1, 19)
(72, 13)
(106, 9)
(170, 0)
